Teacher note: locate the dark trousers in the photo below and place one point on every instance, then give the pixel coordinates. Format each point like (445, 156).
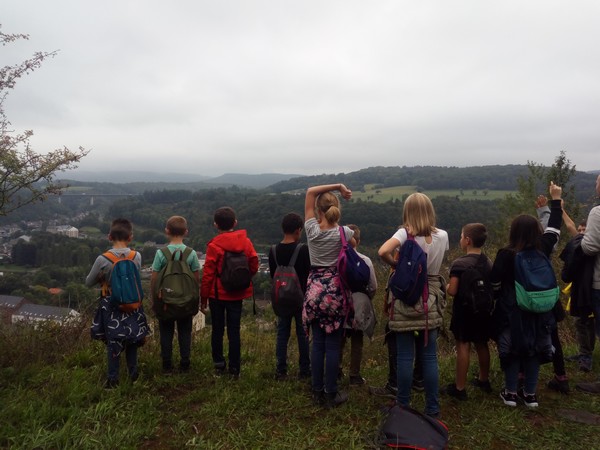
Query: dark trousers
(226, 313)
(184, 338)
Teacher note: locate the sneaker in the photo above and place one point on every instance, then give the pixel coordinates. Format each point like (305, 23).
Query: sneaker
(559, 385)
(220, 371)
(453, 391)
(418, 384)
(530, 400)
(387, 391)
(509, 398)
(111, 384)
(318, 398)
(591, 388)
(357, 380)
(485, 386)
(334, 399)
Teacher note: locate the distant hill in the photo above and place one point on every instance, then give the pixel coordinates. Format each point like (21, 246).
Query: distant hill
(496, 177)
(260, 181)
(139, 181)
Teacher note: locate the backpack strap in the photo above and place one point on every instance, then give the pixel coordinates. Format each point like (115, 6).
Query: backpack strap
(274, 253)
(295, 254)
(166, 253)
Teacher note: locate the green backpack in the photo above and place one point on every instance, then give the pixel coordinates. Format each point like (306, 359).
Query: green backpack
(176, 292)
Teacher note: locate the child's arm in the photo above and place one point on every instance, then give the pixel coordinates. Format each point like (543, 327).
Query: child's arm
(387, 251)
(452, 287)
(153, 278)
(313, 192)
(96, 274)
(571, 228)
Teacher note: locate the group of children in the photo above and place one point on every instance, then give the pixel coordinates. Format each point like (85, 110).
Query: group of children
(124, 330)
(523, 338)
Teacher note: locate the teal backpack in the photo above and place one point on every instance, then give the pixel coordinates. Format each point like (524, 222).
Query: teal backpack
(176, 292)
(535, 282)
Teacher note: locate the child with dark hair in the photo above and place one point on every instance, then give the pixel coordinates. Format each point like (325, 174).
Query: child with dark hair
(467, 325)
(291, 225)
(225, 305)
(120, 330)
(524, 337)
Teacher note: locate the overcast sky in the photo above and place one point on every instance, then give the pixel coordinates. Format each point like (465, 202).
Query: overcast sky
(308, 87)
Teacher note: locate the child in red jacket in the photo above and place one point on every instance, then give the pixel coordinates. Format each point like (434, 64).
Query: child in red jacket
(221, 289)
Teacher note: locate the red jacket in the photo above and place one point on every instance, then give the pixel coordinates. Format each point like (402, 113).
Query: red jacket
(233, 241)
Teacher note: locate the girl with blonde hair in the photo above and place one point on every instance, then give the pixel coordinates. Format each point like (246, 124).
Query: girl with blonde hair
(324, 307)
(417, 326)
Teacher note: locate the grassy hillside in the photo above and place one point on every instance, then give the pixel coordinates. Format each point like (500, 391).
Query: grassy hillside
(52, 397)
(383, 194)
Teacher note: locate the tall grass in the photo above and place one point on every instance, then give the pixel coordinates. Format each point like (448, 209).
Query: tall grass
(52, 397)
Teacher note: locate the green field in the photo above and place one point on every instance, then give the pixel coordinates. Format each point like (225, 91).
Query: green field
(382, 195)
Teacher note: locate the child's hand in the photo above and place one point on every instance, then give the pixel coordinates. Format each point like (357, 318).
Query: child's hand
(204, 304)
(555, 191)
(346, 193)
(541, 201)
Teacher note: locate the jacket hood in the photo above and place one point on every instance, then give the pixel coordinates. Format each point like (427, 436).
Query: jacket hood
(233, 241)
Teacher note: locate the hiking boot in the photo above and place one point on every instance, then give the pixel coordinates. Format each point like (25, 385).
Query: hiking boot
(453, 391)
(530, 400)
(485, 386)
(509, 398)
(559, 384)
(591, 388)
(357, 380)
(387, 391)
(111, 384)
(134, 377)
(281, 376)
(418, 384)
(333, 399)
(318, 398)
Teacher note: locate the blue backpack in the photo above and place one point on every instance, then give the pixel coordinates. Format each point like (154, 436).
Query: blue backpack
(125, 288)
(354, 271)
(535, 282)
(408, 282)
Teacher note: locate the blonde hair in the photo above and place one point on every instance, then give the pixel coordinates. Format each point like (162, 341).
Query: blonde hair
(328, 206)
(418, 215)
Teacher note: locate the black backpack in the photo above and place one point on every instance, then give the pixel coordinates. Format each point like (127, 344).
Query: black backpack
(286, 291)
(407, 428)
(474, 288)
(235, 272)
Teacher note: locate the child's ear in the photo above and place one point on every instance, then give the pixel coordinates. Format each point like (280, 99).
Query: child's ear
(235, 223)
(109, 238)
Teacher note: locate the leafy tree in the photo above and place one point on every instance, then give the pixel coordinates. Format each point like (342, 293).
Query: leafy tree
(26, 176)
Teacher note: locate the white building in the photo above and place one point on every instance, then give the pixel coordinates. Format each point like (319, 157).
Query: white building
(38, 313)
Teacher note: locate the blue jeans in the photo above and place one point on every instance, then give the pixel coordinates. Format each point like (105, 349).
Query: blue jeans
(596, 309)
(325, 358)
(406, 342)
(130, 351)
(531, 368)
(284, 328)
(184, 338)
(226, 312)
